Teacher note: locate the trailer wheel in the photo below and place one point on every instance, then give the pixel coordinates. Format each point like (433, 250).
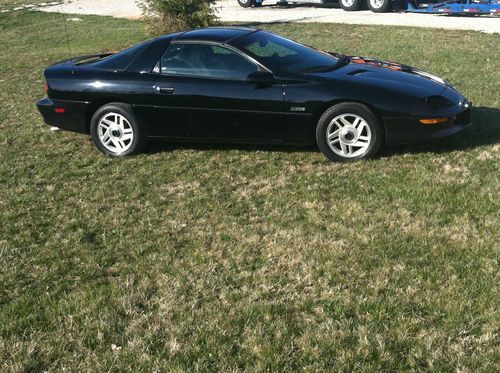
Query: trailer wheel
(246, 3)
(351, 5)
(380, 6)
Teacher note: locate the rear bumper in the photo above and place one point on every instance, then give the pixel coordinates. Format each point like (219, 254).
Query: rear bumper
(410, 130)
(73, 118)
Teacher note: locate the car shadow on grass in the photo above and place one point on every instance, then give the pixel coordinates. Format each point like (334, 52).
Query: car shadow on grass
(160, 146)
(485, 130)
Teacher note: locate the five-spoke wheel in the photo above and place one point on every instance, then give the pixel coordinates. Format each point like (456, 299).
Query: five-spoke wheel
(349, 135)
(115, 131)
(349, 131)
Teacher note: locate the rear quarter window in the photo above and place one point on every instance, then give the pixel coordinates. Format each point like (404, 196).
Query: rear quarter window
(121, 60)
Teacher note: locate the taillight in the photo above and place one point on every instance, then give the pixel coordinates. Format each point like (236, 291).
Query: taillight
(46, 87)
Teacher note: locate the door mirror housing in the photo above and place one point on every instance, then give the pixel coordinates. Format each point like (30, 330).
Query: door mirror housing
(261, 77)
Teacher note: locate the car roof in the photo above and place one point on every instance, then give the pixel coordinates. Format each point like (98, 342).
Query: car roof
(216, 34)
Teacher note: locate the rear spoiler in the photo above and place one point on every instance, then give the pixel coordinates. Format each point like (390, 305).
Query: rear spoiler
(80, 59)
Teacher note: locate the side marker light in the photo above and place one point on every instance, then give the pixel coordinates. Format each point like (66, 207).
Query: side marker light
(433, 120)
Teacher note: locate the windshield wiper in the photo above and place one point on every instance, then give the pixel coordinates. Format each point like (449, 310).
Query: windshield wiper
(341, 62)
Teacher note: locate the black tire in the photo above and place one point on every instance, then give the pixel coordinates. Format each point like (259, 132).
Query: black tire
(372, 136)
(351, 5)
(246, 3)
(380, 6)
(132, 128)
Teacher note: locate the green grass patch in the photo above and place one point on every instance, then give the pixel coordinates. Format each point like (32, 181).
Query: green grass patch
(234, 258)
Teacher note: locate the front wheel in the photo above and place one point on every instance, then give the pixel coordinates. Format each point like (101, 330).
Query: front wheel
(380, 6)
(351, 5)
(115, 131)
(246, 3)
(349, 132)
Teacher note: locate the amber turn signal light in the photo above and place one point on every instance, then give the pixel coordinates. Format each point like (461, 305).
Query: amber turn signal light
(433, 120)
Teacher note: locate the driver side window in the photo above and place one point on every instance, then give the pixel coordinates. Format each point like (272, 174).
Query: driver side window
(205, 60)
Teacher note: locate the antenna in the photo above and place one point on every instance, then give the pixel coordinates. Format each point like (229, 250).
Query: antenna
(66, 29)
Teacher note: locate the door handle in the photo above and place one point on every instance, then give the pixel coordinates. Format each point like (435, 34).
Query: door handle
(165, 90)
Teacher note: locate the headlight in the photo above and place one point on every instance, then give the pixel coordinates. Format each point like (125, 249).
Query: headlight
(439, 102)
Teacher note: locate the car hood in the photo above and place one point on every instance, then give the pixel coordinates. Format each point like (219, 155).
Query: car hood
(393, 76)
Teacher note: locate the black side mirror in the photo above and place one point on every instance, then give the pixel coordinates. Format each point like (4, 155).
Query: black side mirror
(261, 77)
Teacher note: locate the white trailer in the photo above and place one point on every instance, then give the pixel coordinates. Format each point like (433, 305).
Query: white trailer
(378, 6)
(452, 7)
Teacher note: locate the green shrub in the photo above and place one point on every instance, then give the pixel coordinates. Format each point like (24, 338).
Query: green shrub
(165, 16)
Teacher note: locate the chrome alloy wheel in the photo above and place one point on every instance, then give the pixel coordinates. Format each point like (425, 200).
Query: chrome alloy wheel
(376, 4)
(115, 133)
(348, 135)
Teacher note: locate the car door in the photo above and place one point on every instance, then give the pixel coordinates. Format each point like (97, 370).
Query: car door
(202, 91)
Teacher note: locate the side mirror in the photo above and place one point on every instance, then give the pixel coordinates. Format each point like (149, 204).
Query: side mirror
(261, 77)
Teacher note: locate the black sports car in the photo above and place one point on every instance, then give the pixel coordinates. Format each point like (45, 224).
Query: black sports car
(235, 84)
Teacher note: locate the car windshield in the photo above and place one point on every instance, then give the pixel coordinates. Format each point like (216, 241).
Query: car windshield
(283, 55)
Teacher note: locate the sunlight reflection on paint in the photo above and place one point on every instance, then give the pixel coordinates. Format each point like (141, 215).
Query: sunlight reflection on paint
(98, 84)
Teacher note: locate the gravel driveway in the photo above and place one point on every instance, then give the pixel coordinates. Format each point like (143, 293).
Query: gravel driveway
(230, 11)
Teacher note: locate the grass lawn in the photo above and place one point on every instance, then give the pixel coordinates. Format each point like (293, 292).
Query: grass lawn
(247, 258)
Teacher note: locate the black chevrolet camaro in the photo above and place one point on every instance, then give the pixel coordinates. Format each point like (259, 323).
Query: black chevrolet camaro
(234, 84)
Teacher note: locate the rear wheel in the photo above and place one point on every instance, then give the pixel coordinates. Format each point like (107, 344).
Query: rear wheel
(380, 6)
(115, 131)
(246, 3)
(348, 132)
(351, 5)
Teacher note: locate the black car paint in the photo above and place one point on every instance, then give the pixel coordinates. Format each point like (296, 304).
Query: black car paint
(210, 109)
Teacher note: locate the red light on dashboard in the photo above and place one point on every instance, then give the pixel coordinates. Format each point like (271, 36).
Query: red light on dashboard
(60, 110)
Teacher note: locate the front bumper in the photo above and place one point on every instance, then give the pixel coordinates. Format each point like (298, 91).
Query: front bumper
(73, 118)
(410, 130)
